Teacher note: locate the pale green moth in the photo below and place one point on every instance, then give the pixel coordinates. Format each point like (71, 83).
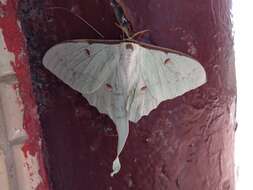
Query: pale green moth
(124, 79)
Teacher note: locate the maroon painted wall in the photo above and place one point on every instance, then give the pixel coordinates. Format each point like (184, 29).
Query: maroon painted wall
(186, 143)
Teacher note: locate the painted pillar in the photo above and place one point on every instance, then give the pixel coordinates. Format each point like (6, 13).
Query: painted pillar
(21, 161)
(186, 143)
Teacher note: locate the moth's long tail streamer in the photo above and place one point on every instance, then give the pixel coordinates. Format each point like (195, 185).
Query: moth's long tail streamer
(82, 19)
(115, 166)
(122, 127)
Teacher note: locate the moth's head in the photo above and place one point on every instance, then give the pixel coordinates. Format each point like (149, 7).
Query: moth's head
(129, 48)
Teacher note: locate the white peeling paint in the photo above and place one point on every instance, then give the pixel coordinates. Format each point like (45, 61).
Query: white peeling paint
(6, 58)
(19, 24)
(27, 169)
(33, 169)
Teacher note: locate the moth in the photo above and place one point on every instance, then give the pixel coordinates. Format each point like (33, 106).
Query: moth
(124, 79)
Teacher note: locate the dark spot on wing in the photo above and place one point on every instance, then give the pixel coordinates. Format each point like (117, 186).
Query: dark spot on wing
(87, 52)
(143, 88)
(108, 87)
(129, 46)
(167, 61)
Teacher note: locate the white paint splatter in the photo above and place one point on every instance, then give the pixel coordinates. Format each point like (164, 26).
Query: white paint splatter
(19, 24)
(191, 48)
(33, 168)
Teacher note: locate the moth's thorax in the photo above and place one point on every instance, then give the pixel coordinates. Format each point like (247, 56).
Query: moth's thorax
(128, 63)
(128, 53)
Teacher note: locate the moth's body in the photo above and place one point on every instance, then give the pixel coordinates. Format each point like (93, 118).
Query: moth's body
(127, 68)
(124, 79)
(122, 83)
(127, 82)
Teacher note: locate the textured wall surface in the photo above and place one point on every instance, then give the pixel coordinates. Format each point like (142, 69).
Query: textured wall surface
(186, 143)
